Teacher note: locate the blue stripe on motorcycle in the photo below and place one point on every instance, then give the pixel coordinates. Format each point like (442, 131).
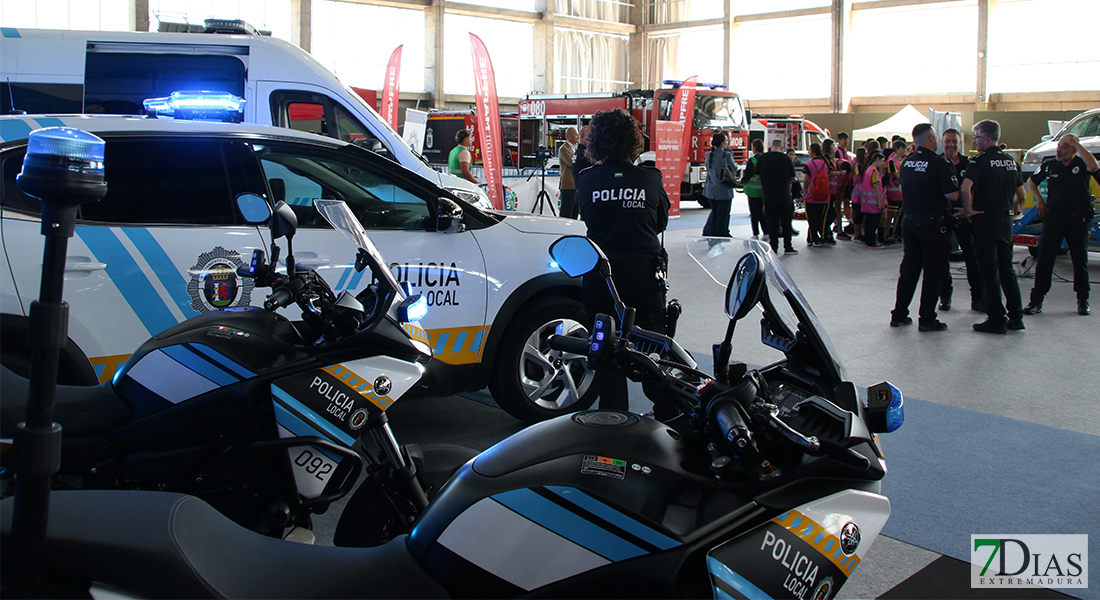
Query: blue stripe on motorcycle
(128, 278)
(222, 360)
(569, 525)
(614, 517)
(316, 420)
(199, 365)
(735, 581)
(290, 421)
(163, 267)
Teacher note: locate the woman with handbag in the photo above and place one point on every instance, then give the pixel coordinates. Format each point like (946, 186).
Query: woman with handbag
(718, 188)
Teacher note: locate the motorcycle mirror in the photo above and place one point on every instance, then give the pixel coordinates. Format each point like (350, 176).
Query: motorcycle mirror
(448, 216)
(745, 286)
(576, 255)
(253, 208)
(284, 222)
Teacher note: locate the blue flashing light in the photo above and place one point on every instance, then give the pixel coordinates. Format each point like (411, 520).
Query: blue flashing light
(554, 264)
(413, 309)
(895, 412)
(698, 84)
(68, 149)
(197, 105)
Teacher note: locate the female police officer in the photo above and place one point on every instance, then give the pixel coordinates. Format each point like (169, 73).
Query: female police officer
(625, 208)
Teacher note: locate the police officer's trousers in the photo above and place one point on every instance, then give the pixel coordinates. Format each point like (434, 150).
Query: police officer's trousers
(995, 262)
(973, 272)
(927, 247)
(1075, 230)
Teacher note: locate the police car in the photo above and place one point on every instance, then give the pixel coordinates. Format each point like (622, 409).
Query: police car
(163, 245)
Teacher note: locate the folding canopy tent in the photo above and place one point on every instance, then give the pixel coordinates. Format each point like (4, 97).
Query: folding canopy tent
(900, 124)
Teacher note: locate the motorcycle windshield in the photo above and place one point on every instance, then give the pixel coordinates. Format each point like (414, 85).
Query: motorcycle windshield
(337, 213)
(719, 256)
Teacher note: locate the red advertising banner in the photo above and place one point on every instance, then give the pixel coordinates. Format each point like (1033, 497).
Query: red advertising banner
(488, 120)
(670, 140)
(683, 111)
(392, 89)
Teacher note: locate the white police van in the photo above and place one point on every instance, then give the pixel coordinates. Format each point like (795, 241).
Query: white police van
(46, 71)
(164, 244)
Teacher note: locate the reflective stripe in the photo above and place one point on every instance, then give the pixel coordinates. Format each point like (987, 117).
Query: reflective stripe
(14, 129)
(317, 422)
(9, 32)
(616, 518)
(162, 266)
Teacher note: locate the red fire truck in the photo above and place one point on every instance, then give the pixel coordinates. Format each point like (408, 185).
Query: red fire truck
(543, 119)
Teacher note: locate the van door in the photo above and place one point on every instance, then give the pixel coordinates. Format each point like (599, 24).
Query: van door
(162, 246)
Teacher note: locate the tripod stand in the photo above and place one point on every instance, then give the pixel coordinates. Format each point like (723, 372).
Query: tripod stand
(543, 198)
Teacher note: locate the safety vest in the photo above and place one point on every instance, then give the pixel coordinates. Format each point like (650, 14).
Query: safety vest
(752, 187)
(893, 187)
(452, 160)
(870, 196)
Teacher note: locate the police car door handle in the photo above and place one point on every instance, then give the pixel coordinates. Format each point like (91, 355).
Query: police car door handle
(83, 264)
(311, 259)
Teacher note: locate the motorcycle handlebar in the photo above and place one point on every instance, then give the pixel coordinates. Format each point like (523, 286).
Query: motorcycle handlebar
(279, 298)
(565, 343)
(732, 426)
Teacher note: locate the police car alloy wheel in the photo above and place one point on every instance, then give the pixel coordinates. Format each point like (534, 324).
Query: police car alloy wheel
(532, 382)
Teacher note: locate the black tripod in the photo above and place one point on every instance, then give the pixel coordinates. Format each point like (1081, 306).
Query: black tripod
(542, 154)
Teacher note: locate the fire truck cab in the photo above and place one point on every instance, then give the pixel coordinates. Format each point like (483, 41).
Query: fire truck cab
(795, 131)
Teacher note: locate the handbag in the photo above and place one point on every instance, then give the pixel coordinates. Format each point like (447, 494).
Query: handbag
(726, 176)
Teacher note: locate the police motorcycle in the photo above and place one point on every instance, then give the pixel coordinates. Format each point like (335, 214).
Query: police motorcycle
(268, 420)
(765, 485)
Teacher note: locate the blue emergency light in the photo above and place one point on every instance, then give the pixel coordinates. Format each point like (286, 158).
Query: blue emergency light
(713, 86)
(197, 106)
(413, 309)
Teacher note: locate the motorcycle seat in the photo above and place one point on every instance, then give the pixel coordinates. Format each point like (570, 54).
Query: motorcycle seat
(82, 411)
(167, 545)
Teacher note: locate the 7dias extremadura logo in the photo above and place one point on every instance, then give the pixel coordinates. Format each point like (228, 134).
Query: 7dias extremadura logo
(1050, 561)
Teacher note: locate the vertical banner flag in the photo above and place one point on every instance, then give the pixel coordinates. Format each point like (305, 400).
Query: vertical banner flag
(669, 160)
(392, 90)
(416, 126)
(683, 110)
(488, 120)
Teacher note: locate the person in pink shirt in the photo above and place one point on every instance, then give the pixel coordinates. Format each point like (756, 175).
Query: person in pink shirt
(872, 199)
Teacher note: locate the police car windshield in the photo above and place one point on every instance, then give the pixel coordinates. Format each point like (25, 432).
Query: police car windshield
(337, 213)
(718, 259)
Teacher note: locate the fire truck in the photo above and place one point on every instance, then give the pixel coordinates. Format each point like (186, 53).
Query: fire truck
(543, 119)
(795, 131)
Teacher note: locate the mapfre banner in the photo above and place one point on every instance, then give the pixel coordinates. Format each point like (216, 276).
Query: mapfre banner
(392, 89)
(683, 111)
(488, 120)
(670, 160)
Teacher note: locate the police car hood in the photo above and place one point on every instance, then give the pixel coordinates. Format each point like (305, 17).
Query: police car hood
(532, 223)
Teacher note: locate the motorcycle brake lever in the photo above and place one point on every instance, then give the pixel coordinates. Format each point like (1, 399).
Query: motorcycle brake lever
(770, 412)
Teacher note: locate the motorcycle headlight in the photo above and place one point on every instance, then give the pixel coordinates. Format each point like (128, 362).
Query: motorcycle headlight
(478, 199)
(1033, 158)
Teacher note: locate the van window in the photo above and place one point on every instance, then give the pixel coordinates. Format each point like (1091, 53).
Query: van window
(299, 174)
(117, 83)
(317, 113)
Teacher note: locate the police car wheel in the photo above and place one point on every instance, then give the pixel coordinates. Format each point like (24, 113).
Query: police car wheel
(533, 382)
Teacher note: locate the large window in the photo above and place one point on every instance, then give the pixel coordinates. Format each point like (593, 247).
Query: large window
(269, 15)
(589, 62)
(752, 7)
(615, 11)
(659, 12)
(879, 59)
(355, 42)
(683, 54)
(783, 58)
(511, 49)
(100, 15)
(1048, 45)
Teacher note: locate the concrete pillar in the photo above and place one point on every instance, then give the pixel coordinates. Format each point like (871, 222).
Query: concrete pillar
(301, 23)
(981, 97)
(139, 15)
(637, 59)
(545, 79)
(433, 53)
(727, 40)
(841, 32)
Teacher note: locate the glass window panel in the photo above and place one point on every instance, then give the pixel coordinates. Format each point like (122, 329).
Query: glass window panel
(659, 12)
(355, 42)
(268, 15)
(528, 5)
(753, 7)
(876, 62)
(96, 15)
(681, 55)
(615, 11)
(589, 62)
(1043, 46)
(782, 58)
(511, 49)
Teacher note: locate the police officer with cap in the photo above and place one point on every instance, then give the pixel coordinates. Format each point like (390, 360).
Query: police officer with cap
(625, 208)
(1067, 213)
(928, 186)
(991, 190)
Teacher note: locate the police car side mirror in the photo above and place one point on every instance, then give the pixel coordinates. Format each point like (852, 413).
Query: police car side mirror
(284, 222)
(253, 208)
(448, 216)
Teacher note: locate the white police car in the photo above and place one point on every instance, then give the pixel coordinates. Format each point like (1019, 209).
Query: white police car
(164, 244)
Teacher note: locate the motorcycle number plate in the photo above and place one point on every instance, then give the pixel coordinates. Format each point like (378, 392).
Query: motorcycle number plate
(312, 468)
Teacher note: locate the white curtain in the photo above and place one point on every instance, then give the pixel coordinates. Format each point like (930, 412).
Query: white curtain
(663, 59)
(615, 11)
(659, 12)
(588, 62)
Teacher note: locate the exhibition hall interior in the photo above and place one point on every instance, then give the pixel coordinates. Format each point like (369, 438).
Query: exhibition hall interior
(741, 299)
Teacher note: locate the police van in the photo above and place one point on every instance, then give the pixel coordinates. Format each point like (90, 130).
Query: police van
(164, 244)
(66, 72)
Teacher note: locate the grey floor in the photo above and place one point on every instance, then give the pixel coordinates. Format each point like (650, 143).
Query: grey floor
(1040, 375)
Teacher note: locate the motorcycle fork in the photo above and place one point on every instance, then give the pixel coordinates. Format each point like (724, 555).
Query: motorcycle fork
(402, 469)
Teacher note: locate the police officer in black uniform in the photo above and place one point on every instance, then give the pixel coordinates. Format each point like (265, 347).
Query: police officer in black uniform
(928, 185)
(626, 209)
(1067, 213)
(952, 142)
(991, 190)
